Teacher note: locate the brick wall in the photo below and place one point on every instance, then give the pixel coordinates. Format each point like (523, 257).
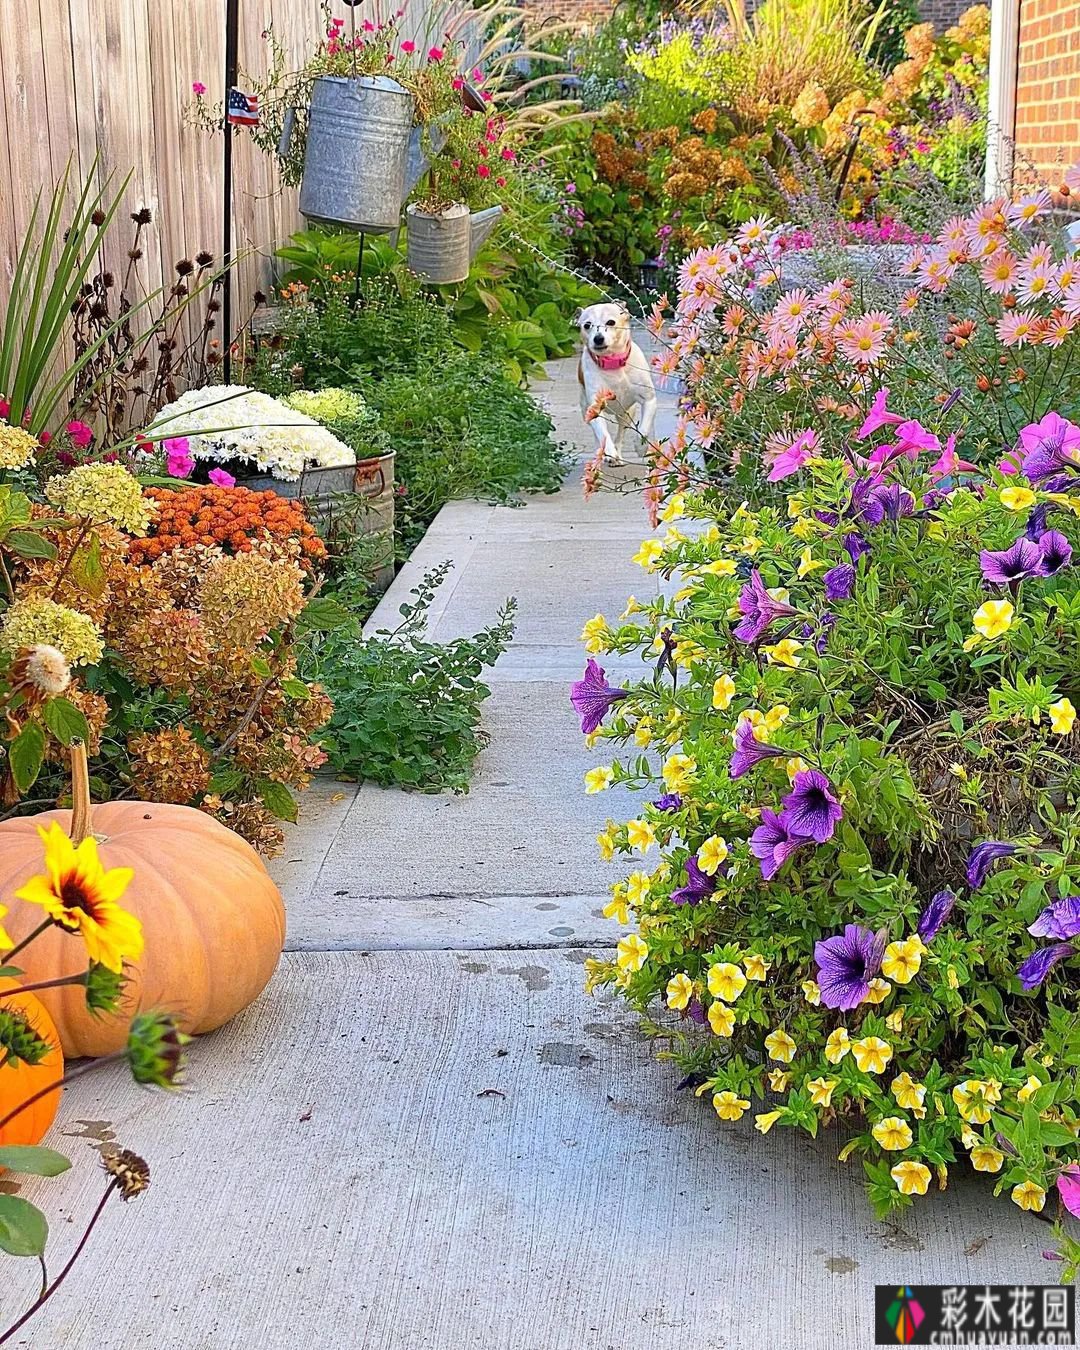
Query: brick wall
(1048, 87)
(944, 13)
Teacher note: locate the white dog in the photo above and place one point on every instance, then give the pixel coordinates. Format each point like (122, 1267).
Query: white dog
(616, 386)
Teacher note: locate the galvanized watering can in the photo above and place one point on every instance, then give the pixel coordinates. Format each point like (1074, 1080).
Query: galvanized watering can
(358, 141)
(442, 247)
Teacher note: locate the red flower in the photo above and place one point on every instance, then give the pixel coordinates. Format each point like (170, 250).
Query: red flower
(457, 82)
(45, 437)
(508, 154)
(79, 434)
(198, 88)
(483, 170)
(501, 181)
(436, 54)
(409, 47)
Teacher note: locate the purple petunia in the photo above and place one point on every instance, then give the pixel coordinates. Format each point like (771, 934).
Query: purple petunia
(1049, 446)
(934, 915)
(670, 801)
(1021, 559)
(819, 632)
(982, 858)
(811, 808)
(1055, 553)
(890, 502)
(846, 965)
(1060, 919)
(773, 842)
(592, 696)
(839, 582)
(1040, 963)
(749, 750)
(855, 545)
(698, 887)
(1036, 522)
(758, 608)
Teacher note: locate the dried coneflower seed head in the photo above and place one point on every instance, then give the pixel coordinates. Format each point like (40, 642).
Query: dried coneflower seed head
(97, 218)
(260, 297)
(108, 280)
(134, 254)
(203, 258)
(185, 267)
(131, 1171)
(143, 216)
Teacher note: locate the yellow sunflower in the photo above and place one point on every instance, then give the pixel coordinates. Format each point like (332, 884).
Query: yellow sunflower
(78, 894)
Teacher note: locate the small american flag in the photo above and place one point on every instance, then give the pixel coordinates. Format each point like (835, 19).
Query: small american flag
(243, 109)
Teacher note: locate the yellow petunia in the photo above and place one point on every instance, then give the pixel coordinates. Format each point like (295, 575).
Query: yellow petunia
(711, 854)
(680, 990)
(678, 772)
(993, 618)
(675, 507)
(1029, 1195)
(901, 961)
(987, 1159)
(812, 992)
(649, 554)
(780, 1046)
(837, 1046)
(726, 981)
(785, 653)
(1029, 1089)
(893, 1133)
(1062, 716)
(723, 691)
(631, 953)
(766, 1121)
(877, 991)
(872, 1054)
(617, 909)
(729, 1105)
(596, 634)
(756, 967)
(808, 563)
(779, 1080)
(605, 845)
(721, 1019)
(78, 894)
(911, 1178)
(640, 835)
(1016, 498)
(638, 885)
(821, 1090)
(909, 1094)
(776, 717)
(974, 1100)
(596, 780)
(795, 765)
(722, 567)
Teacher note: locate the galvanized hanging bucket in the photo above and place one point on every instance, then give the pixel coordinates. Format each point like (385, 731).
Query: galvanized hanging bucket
(357, 151)
(441, 247)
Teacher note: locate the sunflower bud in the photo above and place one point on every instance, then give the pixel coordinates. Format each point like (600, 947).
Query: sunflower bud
(155, 1049)
(103, 988)
(131, 1171)
(19, 1042)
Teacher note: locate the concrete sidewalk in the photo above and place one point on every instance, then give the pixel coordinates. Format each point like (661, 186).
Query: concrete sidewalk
(424, 1136)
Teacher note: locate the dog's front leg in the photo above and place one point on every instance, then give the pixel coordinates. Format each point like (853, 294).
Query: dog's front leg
(607, 432)
(647, 420)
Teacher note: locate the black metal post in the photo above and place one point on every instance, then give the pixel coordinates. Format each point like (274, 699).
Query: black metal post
(232, 31)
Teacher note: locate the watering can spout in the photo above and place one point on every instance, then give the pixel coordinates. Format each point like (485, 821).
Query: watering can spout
(481, 223)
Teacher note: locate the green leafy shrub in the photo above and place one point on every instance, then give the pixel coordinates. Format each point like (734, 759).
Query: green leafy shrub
(407, 710)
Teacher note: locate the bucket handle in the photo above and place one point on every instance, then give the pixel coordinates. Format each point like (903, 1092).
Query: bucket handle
(362, 480)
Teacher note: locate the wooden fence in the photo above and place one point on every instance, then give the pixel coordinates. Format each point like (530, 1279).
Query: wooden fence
(110, 79)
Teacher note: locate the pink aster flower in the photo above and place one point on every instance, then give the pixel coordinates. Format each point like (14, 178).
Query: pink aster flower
(791, 309)
(998, 272)
(1071, 178)
(1035, 283)
(861, 344)
(1017, 327)
(1029, 206)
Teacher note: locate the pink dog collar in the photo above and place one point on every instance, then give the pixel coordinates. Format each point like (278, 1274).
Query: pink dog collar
(611, 361)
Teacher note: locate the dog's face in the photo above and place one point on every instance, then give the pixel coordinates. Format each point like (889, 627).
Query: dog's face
(605, 328)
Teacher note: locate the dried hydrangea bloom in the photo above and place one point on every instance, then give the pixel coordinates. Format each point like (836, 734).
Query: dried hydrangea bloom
(243, 598)
(169, 766)
(17, 447)
(34, 619)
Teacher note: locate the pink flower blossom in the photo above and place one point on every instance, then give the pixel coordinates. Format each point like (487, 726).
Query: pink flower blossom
(1017, 327)
(862, 343)
(457, 83)
(998, 272)
(435, 54)
(45, 437)
(500, 181)
(1028, 206)
(198, 88)
(483, 170)
(795, 456)
(408, 47)
(1071, 178)
(79, 434)
(878, 416)
(179, 462)
(368, 26)
(220, 478)
(948, 462)
(1068, 1184)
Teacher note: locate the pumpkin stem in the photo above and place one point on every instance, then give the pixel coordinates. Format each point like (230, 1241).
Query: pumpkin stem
(80, 793)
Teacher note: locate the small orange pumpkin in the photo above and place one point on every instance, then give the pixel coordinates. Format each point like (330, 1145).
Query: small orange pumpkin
(19, 1082)
(213, 921)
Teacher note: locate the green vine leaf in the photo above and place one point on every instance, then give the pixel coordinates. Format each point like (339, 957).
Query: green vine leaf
(24, 1230)
(33, 1160)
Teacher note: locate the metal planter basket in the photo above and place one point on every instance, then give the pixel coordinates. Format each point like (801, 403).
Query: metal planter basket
(358, 139)
(441, 247)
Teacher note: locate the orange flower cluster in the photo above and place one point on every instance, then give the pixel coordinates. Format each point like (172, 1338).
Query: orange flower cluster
(696, 168)
(233, 518)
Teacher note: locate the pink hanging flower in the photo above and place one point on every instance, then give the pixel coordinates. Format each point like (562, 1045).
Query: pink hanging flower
(368, 26)
(435, 54)
(408, 47)
(198, 88)
(794, 456)
(79, 434)
(220, 478)
(1068, 1184)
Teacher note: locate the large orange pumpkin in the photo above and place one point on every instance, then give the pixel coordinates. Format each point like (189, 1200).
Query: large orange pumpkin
(19, 1082)
(213, 921)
